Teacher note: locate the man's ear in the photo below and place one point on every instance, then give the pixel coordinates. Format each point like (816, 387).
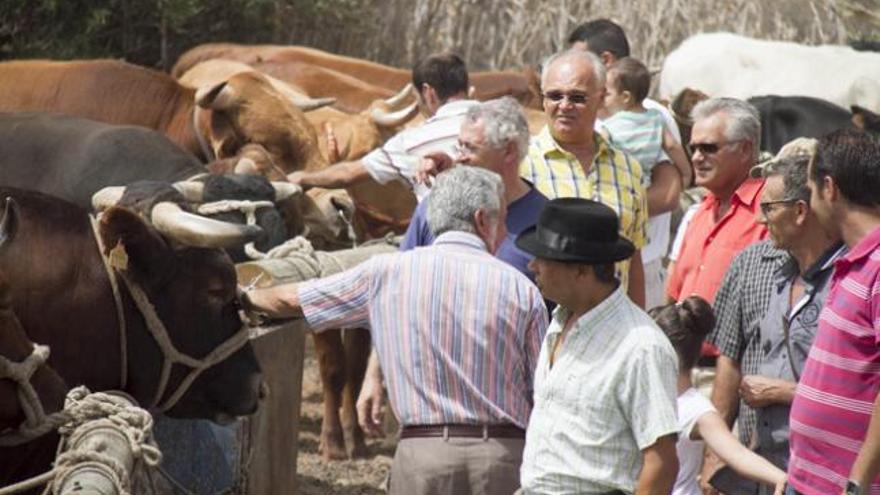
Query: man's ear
(607, 58)
(830, 191)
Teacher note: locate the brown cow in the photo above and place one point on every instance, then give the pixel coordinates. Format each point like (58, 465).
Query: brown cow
(34, 457)
(487, 85)
(242, 110)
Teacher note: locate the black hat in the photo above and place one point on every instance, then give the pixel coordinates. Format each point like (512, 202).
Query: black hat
(578, 230)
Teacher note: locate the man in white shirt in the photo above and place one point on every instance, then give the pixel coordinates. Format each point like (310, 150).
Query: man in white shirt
(441, 82)
(604, 418)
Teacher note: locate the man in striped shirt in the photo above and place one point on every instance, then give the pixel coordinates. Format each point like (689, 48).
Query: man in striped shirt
(457, 333)
(441, 83)
(835, 416)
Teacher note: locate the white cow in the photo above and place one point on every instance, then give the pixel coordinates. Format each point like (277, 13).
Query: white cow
(724, 64)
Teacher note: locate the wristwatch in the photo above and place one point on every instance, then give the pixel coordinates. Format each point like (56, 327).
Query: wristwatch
(853, 488)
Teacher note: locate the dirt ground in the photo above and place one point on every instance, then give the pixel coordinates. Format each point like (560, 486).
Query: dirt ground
(316, 477)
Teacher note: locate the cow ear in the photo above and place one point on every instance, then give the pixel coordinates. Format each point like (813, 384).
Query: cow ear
(149, 256)
(865, 119)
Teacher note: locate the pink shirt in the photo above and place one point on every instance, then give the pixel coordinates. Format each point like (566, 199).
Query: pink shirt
(841, 378)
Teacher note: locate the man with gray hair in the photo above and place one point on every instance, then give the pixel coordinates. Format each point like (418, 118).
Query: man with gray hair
(569, 159)
(456, 331)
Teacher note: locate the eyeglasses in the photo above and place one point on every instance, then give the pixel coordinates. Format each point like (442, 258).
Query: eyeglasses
(709, 148)
(573, 98)
(767, 206)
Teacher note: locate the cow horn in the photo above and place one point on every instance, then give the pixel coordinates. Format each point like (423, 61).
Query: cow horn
(284, 190)
(394, 119)
(107, 197)
(309, 104)
(197, 231)
(9, 221)
(397, 99)
(192, 191)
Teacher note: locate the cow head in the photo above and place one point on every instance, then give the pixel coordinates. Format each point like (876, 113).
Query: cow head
(246, 108)
(173, 256)
(346, 137)
(865, 119)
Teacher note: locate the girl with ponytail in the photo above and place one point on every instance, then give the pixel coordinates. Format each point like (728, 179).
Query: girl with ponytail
(686, 324)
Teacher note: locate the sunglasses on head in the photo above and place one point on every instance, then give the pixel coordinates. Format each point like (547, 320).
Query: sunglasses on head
(573, 98)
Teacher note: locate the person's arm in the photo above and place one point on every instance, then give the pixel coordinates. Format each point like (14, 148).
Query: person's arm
(664, 190)
(725, 389)
(867, 465)
(676, 153)
(280, 301)
(636, 289)
(712, 428)
(336, 176)
(762, 391)
(659, 467)
(371, 398)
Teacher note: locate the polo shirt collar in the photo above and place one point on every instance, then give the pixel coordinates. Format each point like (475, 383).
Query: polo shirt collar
(547, 144)
(864, 248)
(747, 192)
(459, 238)
(453, 108)
(816, 272)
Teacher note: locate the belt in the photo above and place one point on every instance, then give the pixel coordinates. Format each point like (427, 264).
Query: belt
(469, 431)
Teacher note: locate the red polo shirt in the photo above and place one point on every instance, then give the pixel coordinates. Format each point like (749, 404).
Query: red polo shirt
(709, 246)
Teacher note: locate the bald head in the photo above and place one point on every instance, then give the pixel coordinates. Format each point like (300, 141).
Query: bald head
(574, 60)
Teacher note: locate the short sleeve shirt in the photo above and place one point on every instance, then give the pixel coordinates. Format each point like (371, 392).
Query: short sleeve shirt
(610, 394)
(614, 179)
(399, 157)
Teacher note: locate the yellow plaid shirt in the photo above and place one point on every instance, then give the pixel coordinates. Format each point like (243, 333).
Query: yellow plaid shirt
(614, 179)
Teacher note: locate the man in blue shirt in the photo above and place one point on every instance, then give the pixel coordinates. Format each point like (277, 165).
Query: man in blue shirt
(494, 136)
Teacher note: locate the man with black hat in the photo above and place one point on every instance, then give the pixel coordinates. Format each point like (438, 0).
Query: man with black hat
(604, 418)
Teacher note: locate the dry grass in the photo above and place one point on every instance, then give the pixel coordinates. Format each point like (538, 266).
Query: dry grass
(495, 34)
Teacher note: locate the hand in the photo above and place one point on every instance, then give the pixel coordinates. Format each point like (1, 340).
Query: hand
(369, 407)
(760, 391)
(779, 489)
(431, 165)
(298, 177)
(711, 463)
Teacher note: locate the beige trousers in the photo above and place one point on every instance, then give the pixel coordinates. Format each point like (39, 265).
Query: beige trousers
(456, 465)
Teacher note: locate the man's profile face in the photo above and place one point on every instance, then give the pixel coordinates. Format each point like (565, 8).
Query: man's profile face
(473, 149)
(719, 163)
(819, 202)
(572, 97)
(553, 278)
(779, 213)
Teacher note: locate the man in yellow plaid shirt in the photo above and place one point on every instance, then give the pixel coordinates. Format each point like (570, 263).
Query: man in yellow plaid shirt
(569, 159)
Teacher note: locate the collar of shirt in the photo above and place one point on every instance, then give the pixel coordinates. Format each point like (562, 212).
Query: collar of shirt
(458, 238)
(862, 249)
(746, 194)
(815, 274)
(591, 318)
(452, 109)
(548, 145)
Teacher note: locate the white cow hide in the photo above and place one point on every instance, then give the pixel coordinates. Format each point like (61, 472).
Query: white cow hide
(724, 64)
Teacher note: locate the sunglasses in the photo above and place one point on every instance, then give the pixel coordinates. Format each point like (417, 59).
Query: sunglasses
(708, 148)
(573, 98)
(768, 206)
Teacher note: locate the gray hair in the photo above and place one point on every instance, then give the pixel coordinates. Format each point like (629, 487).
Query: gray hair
(743, 120)
(503, 122)
(588, 56)
(793, 170)
(458, 194)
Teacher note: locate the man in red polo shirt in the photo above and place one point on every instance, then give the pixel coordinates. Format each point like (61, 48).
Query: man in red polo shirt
(725, 141)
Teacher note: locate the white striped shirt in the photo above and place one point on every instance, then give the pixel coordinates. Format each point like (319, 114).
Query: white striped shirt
(610, 394)
(399, 157)
(456, 330)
